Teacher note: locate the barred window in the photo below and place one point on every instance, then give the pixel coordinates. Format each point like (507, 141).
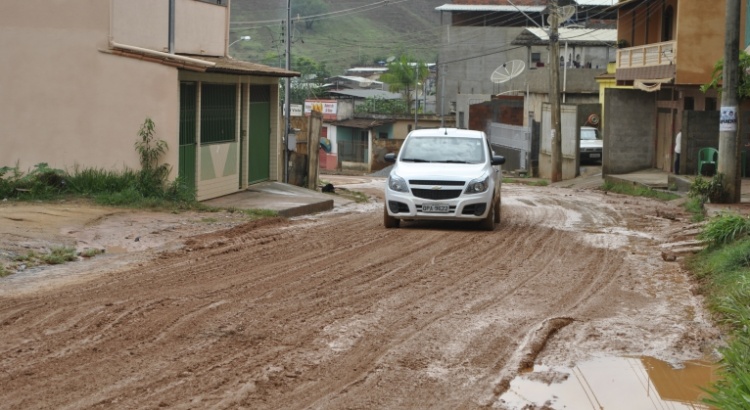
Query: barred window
(218, 113)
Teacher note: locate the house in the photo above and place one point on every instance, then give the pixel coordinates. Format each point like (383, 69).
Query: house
(80, 77)
(478, 38)
(668, 50)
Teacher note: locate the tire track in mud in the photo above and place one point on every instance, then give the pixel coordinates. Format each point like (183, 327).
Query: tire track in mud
(325, 312)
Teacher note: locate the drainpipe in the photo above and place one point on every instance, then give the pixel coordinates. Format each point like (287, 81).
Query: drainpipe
(565, 73)
(171, 26)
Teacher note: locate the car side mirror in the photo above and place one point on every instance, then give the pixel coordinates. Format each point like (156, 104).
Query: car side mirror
(498, 160)
(391, 157)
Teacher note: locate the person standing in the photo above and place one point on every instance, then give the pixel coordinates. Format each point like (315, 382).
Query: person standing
(677, 150)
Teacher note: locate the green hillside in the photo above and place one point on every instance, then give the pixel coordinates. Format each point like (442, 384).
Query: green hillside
(347, 33)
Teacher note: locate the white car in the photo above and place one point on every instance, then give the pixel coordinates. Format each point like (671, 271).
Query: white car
(444, 174)
(591, 144)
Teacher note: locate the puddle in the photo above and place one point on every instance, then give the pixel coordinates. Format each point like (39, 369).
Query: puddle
(613, 383)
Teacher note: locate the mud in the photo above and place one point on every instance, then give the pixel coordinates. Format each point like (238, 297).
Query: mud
(334, 311)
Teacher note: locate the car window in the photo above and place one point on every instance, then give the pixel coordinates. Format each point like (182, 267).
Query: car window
(589, 134)
(443, 149)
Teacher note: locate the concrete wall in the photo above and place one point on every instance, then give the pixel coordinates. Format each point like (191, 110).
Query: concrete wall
(574, 80)
(66, 103)
(471, 54)
(200, 28)
(379, 149)
(700, 129)
(630, 131)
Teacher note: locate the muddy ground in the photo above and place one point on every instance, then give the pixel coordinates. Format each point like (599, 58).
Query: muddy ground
(334, 311)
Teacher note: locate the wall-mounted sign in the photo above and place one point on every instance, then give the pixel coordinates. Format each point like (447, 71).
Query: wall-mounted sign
(295, 110)
(329, 108)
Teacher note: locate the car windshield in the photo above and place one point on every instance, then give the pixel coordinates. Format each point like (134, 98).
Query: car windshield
(589, 134)
(457, 150)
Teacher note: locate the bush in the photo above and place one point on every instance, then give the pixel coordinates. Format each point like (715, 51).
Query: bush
(725, 229)
(708, 190)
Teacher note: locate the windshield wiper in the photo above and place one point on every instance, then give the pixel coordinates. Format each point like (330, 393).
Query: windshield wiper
(414, 160)
(454, 161)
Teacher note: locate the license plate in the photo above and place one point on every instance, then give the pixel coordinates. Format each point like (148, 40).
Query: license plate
(595, 155)
(436, 208)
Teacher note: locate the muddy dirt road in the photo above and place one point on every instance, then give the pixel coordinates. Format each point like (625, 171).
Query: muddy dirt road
(333, 311)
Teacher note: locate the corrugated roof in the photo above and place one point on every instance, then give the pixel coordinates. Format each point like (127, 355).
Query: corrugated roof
(480, 7)
(576, 36)
(361, 123)
(232, 66)
(387, 95)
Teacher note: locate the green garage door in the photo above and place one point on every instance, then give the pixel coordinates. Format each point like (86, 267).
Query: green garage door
(259, 144)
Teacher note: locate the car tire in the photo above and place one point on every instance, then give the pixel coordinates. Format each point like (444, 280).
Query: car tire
(497, 210)
(488, 223)
(389, 221)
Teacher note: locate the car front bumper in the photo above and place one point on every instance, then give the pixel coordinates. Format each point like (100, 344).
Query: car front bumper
(466, 207)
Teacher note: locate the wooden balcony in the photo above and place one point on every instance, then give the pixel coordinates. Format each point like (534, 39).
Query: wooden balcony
(649, 55)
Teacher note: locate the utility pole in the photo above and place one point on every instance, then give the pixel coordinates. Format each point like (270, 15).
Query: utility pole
(729, 143)
(554, 95)
(287, 84)
(416, 93)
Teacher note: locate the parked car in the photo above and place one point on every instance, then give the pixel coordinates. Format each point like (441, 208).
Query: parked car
(590, 145)
(444, 174)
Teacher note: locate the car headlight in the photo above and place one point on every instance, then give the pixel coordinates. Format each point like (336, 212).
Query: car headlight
(396, 183)
(478, 185)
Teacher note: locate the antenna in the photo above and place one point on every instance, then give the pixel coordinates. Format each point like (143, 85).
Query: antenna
(507, 71)
(564, 13)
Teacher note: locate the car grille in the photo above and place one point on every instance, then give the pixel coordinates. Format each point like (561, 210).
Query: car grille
(436, 193)
(433, 183)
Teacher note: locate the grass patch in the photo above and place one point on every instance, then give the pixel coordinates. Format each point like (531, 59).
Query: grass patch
(695, 207)
(356, 196)
(526, 181)
(259, 213)
(4, 271)
(725, 229)
(59, 255)
(637, 190)
(91, 252)
(725, 272)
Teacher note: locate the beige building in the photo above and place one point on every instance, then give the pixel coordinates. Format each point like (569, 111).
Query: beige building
(79, 77)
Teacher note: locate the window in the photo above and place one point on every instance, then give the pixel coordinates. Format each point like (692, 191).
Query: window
(218, 113)
(383, 135)
(710, 104)
(536, 57)
(689, 104)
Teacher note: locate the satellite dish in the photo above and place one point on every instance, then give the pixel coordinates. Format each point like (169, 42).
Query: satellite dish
(564, 13)
(507, 71)
(390, 59)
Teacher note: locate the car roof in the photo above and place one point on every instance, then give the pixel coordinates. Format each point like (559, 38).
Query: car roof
(447, 132)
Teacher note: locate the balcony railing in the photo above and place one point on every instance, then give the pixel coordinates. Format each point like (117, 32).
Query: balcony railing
(655, 54)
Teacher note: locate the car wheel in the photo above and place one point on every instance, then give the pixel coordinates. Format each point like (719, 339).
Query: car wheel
(389, 221)
(488, 223)
(497, 210)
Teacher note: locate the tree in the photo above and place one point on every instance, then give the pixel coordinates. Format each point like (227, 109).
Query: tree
(305, 9)
(743, 87)
(402, 76)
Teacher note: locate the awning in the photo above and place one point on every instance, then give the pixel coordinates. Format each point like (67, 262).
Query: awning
(652, 84)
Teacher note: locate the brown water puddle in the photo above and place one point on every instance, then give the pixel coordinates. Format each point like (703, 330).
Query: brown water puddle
(613, 383)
